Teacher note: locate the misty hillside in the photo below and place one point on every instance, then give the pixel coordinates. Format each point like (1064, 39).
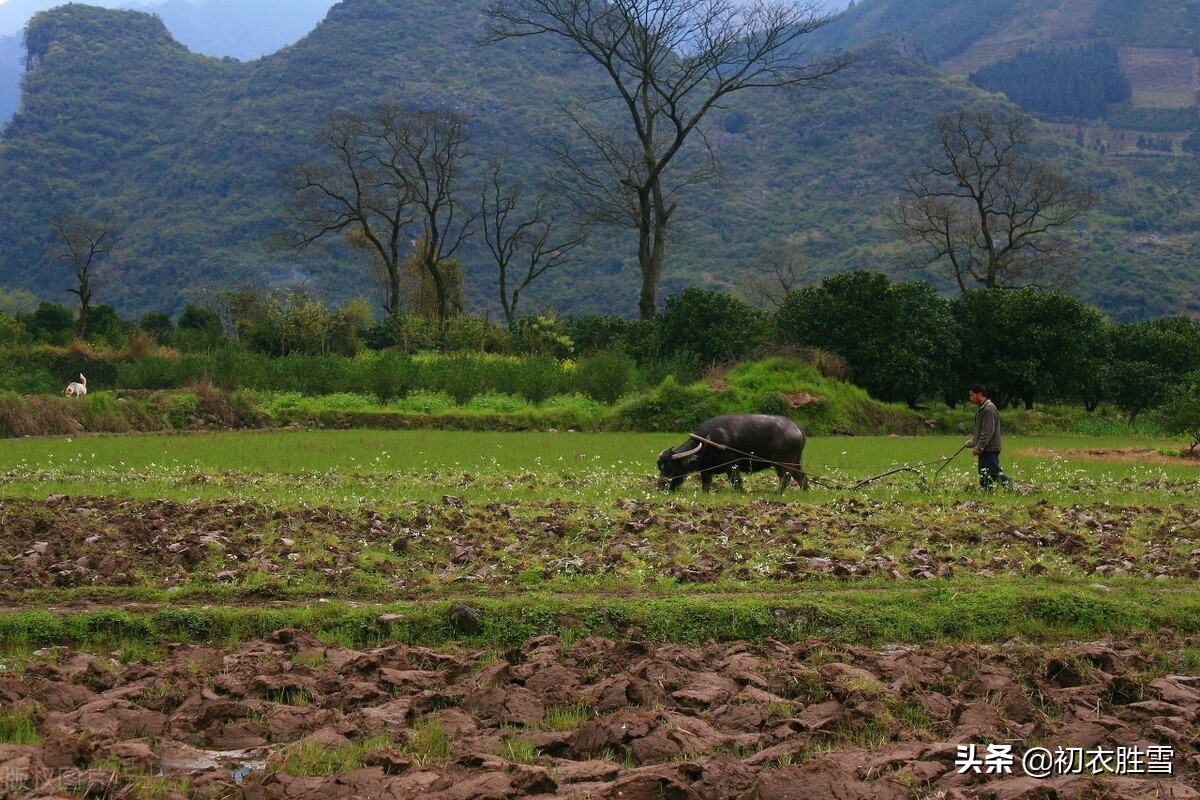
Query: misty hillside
(12, 59)
(241, 29)
(183, 152)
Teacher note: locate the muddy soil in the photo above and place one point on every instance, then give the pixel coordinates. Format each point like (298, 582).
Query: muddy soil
(422, 549)
(1137, 455)
(290, 717)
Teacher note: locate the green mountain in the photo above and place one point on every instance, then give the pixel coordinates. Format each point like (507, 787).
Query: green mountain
(242, 29)
(183, 152)
(962, 35)
(1155, 43)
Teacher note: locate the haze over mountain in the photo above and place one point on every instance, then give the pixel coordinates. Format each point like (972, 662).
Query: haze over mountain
(183, 151)
(239, 28)
(242, 29)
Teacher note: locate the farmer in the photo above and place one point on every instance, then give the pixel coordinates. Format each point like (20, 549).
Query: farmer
(986, 442)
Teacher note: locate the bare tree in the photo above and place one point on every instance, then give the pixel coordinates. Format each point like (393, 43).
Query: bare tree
(82, 243)
(989, 212)
(775, 274)
(670, 62)
(389, 188)
(523, 235)
(358, 193)
(430, 147)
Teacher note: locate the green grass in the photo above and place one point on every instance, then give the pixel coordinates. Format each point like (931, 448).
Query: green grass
(356, 466)
(557, 533)
(311, 759)
(17, 727)
(430, 741)
(518, 750)
(565, 718)
(973, 611)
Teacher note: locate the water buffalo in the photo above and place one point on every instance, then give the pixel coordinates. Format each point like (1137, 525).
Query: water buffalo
(733, 444)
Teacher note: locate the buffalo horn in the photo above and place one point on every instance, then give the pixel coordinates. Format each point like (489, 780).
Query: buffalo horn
(688, 453)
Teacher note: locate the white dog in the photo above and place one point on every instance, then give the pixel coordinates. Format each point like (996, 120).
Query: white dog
(77, 389)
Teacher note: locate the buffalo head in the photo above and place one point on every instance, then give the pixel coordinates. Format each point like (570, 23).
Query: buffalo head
(676, 463)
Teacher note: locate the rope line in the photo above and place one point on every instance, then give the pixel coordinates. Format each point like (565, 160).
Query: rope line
(913, 468)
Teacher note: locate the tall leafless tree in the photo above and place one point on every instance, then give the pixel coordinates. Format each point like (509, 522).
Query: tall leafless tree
(358, 192)
(388, 187)
(525, 236)
(431, 146)
(82, 243)
(989, 212)
(669, 62)
(778, 272)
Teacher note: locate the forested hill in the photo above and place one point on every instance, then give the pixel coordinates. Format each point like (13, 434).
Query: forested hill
(183, 152)
(963, 35)
(1042, 50)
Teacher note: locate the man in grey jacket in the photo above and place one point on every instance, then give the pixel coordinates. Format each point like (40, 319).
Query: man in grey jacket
(986, 442)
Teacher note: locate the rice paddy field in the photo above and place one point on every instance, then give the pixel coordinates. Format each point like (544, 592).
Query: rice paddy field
(308, 552)
(350, 468)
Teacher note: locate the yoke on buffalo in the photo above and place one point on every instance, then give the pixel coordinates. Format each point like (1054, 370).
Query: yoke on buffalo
(734, 444)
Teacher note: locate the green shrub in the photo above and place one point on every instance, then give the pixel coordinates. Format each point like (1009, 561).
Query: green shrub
(710, 327)
(1180, 414)
(11, 331)
(460, 376)
(575, 403)
(29, 381)
(466, 333)
(409, 332)
(539, 378)
(605, 376)
(773, 403)
(671, 407)
(594, 332)
(538, 335)
(68, 364)
(682, 367)
(228, 369)
(288, 401)
(102, 412)
(146, 372)
(181, 409)
(571, 412)
(50, 322)
(389, 375)
(314, 375)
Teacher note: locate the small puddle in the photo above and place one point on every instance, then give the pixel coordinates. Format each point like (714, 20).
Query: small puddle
(178, 757)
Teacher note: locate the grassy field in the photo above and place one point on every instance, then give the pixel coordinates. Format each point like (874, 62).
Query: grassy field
(361, 466)
(556, 530)
(302, 561)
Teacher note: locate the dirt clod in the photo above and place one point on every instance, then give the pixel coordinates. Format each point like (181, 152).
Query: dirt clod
(289, 717)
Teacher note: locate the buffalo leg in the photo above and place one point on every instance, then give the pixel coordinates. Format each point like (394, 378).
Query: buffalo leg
(800, 476)
(786, 471)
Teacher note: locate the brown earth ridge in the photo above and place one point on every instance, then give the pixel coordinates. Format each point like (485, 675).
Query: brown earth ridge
(419, 550)
(722, 721)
